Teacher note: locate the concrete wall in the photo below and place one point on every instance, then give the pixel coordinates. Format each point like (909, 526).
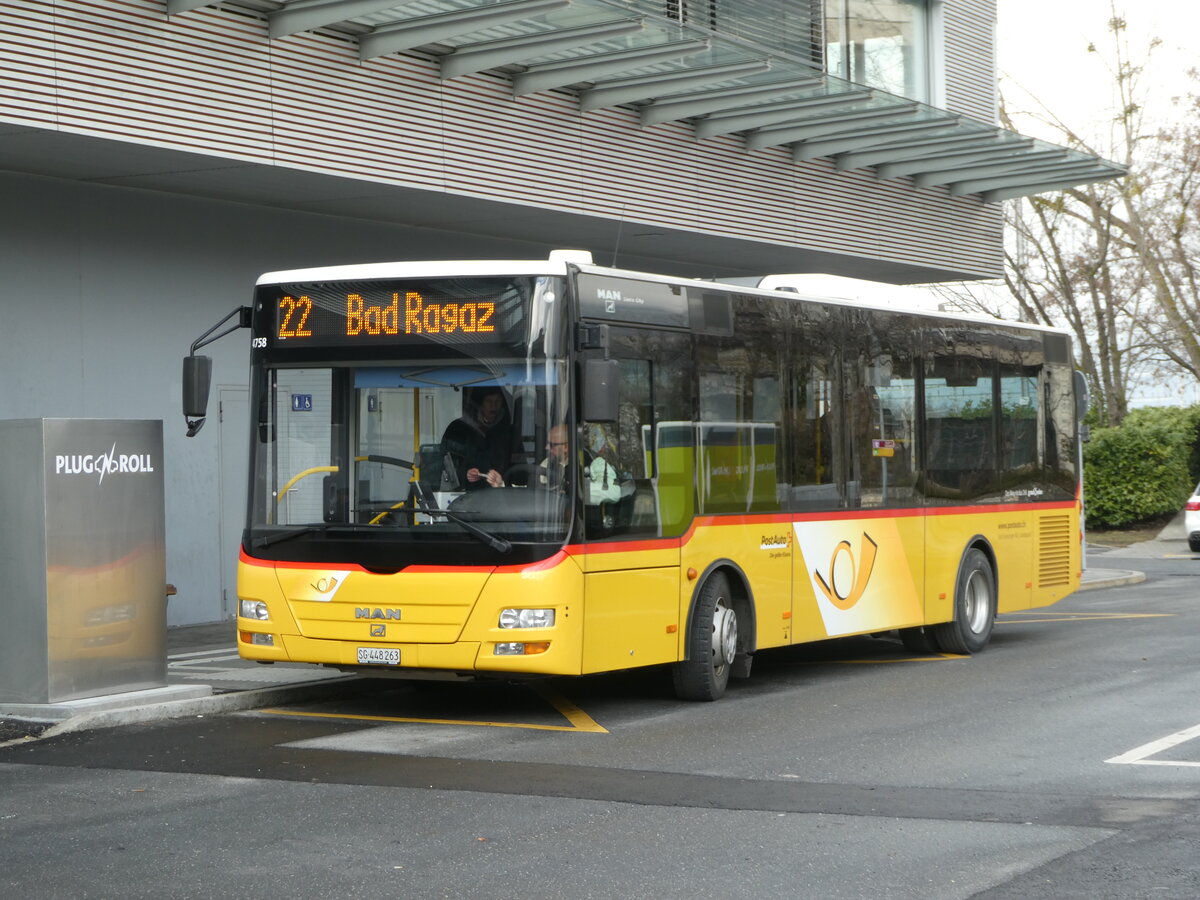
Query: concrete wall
(211, 81)
(104, 289)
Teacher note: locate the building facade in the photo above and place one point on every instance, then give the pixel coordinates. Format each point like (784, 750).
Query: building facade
(157, 155)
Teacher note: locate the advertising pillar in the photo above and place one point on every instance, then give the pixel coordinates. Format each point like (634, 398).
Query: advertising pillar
(82, 559)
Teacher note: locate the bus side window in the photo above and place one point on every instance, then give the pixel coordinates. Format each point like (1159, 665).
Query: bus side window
(1059, 462)
(881, 402)
(1018, 420)
(959, 427)
(812, 413)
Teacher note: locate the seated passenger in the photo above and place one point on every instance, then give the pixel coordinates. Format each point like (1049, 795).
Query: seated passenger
(600, 478)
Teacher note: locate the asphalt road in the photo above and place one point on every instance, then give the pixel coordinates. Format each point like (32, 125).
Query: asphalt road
(1058, 763)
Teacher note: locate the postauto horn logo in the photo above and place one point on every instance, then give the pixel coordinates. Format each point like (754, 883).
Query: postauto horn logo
(844, 596)
(102, 464)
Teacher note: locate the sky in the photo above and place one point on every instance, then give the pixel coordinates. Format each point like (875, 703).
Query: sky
(1042, 56)
(1041, 50)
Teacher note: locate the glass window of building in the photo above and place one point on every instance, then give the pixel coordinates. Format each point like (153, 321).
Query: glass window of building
(880, 43)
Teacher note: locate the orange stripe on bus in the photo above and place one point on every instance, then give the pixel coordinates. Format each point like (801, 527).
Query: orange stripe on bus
(711, 521)
(244, 557)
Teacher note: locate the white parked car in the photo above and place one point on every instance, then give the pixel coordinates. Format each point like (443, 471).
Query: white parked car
(1191, 521)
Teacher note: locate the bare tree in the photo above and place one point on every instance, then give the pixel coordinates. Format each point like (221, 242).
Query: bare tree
(1116, 262)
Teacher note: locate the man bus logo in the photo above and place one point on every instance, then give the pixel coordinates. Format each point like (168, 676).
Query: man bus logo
(858, 575)
(365, 612)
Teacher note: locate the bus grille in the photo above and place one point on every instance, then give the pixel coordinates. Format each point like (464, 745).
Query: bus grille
(1054, 551)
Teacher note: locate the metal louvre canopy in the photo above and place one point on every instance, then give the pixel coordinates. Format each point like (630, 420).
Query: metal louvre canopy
(630, 52)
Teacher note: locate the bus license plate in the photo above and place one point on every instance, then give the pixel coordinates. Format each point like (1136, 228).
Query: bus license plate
(378, 656)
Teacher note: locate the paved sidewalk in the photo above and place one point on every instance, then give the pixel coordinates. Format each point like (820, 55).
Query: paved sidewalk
(205, 676)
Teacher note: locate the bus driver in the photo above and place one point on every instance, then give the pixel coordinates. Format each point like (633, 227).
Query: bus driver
(479, 442)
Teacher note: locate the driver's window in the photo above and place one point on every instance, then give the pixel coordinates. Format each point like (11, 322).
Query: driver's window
(651, 445)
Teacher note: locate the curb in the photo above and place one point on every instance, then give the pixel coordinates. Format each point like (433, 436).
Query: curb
(1128, 577)
(233, 701)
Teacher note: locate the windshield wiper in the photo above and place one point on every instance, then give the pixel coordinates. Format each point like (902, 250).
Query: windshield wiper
(287, 536)
(500, 545)
(306, 530)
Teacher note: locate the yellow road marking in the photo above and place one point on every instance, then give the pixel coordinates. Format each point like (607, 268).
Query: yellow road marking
(1096, 615)
(937, 657)
(1076, 617)
(580, 721)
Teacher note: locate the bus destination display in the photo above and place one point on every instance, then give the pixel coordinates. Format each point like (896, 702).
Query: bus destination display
(361, 317)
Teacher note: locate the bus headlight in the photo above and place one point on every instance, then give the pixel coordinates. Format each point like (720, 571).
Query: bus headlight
(526, 618)
(254, 609)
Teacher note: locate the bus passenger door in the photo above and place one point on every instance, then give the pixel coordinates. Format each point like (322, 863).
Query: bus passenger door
(740, 456)
(631, 559)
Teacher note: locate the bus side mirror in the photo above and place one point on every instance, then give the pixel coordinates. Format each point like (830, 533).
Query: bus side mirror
(197, 370)
(197, 376)
(601, 378)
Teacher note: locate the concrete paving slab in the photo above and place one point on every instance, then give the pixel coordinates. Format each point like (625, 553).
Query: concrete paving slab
(1174, 530)
(1155, 549)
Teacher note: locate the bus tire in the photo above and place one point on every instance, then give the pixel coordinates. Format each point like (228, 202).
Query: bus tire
(974, 607)
(712, 643)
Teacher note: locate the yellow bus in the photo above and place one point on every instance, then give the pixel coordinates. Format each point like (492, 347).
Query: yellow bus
(520, 468)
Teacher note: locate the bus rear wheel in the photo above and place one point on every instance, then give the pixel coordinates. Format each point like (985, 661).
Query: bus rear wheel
(974, 607)
(711, 644)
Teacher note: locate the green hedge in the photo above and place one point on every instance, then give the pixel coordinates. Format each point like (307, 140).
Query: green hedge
(1184, 419)
(1145, 467)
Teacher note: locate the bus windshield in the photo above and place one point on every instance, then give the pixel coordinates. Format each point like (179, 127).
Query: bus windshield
(426, 449)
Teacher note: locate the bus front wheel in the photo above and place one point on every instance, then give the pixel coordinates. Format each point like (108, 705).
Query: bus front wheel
(711, 644)
(974, 607)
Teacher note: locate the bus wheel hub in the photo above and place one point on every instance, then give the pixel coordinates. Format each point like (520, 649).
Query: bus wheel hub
(724, 634)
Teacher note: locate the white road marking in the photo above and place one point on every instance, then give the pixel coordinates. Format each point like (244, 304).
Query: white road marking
(1138, 755)
(221, 653)
(204, 661)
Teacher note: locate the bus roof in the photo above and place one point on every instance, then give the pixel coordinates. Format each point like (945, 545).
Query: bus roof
(559, 262)
(418, 269)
